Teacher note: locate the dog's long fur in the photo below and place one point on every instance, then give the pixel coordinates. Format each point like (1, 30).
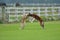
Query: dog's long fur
(34, 16)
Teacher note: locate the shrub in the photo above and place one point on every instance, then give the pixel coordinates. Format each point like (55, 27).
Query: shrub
(1, 21)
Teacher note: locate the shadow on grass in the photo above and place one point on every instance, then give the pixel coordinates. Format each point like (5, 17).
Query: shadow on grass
(33, 29)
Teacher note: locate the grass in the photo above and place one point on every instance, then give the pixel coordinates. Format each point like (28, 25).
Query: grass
(32, 31)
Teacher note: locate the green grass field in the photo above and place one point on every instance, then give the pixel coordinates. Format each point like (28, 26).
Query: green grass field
(32, 31)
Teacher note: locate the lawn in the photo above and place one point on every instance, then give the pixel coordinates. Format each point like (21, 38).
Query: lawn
(32, 31)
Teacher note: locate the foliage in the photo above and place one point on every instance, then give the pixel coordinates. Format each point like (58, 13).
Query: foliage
(1, 21)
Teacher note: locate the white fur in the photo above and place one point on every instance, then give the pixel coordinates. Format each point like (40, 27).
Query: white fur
(42, 22)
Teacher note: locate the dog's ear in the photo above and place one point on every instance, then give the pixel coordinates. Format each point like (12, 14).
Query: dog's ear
(42, 24)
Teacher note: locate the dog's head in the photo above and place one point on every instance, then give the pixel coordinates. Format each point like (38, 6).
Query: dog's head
(42, 24)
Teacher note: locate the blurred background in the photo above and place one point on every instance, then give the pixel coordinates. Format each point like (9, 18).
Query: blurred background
(11, 11)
